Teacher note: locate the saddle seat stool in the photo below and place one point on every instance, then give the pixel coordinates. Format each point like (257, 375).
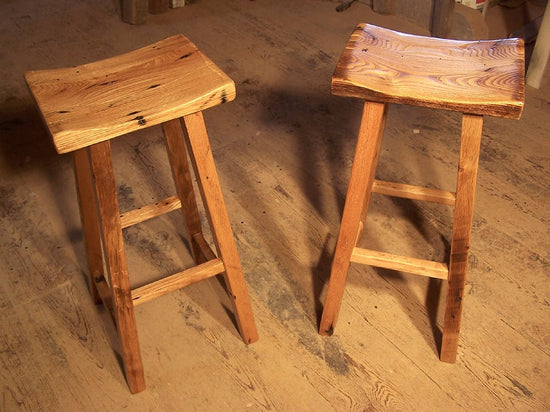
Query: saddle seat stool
(475, 78)
(84, 107)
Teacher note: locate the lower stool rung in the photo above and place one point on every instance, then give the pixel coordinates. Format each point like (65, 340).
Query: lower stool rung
(414, 192)
(177, 281)
(144, 213)
(402, 263)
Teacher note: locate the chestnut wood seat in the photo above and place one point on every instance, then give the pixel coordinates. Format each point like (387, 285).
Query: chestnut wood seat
(382, 66)
(88, 104)
(84, 107)
(475, 77)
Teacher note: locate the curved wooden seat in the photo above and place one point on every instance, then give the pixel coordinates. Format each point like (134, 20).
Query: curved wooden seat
(170, 83)
(95, 102)
(382, 66)
(477, 77)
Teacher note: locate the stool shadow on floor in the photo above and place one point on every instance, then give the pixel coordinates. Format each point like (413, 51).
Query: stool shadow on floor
(26, 147)
(312, 126)
(435, 291)
(413, 213)
(308, 126)
(41, 182)
(431, 232)
(321, 130)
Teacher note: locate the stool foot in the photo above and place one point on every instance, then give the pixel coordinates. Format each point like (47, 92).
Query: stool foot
(355, 209)
(207, 177)
(460, 241)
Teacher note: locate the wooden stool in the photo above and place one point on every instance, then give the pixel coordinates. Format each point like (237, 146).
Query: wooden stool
(84, 107)
(383, 66)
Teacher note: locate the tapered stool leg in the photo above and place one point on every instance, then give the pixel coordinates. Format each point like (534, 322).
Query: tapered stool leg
(88, 216)
(177, 154)
(205, 171)
(357, 201)
(115, 256)
(460, 241)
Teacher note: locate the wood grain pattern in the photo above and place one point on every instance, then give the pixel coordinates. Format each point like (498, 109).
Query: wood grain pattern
(472, 127)
(402, 263)
(83, 105)
(181, 173)
(357, 203)
(115, 256)
(481, 77)
(147, 212)
(98, 101)
(207, 178)
(90, 222)
(413, 192)
(177, 281)
(485, 78)
(286, 131)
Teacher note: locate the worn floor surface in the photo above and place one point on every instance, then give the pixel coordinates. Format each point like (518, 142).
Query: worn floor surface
(283, 150)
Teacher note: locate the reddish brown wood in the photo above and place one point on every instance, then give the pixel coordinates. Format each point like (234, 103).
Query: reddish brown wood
(86, 106)
(482, 77)
(177, 154)
(407, 264)
(357, 201)
(115, 255)
(477, 78)
(460, 241)
(143, 213)
(206, 251)
(89, 219)
(414, 192)
(179, 280)
(207, 177)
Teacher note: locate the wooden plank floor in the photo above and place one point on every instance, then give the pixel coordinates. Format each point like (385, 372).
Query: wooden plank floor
(283, 150)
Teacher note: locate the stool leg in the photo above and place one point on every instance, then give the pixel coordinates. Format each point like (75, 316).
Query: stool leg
(177, 155)
(89, 218)
(205, 171)
(100, 155)
(460, 241)
(357, 202)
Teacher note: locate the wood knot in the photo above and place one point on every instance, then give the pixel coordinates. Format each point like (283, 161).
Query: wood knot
(141, 120)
